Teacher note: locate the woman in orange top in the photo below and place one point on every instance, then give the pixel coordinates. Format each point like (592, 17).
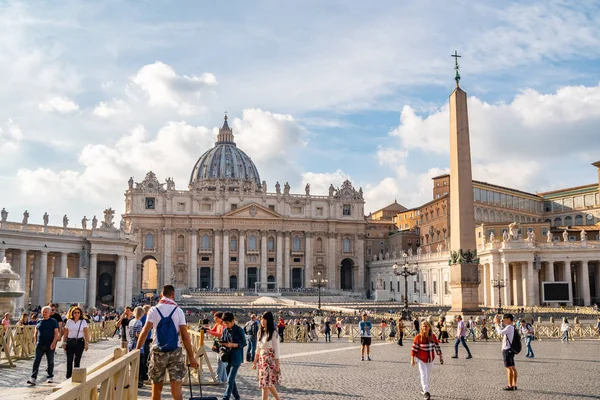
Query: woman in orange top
(217, 332)
(424, 348)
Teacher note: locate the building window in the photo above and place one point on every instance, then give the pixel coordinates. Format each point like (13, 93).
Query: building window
(271, 207)
(557, 221)
(369, 251)
(434, 287)
(415, 288)
(424, 287)
(252, 242)
(150, 203)
(346, 245)
(297, 259)
(233, 243)
(319, 211)
(180, 206)
(206, 207)
(569, 220)
(437, 184)
(445, 183)
(446, 288)
(180, 243)
(296, 244)
(234, 259)
(205, 243)
(205, 258)
(296, 210)
(346, 209)
(149, 242)
(233, 207)
(271, 244)
(320, 245)
(271, 259)
(579, 220)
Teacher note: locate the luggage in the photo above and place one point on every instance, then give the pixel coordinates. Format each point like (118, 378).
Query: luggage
(200, 385)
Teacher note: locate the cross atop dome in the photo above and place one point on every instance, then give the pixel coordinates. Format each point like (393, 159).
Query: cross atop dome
(225, 133)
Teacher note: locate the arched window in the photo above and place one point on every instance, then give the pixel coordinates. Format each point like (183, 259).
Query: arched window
(180, 243)
(346, 245)
(271, 244)
(478, 214)
(557, 221)
(296, 244)
(233, 243)
(319, 245)
(437, 214)
(149, 241)
(205, 243)
(522, 219)
(252, 242)
(578, 220)
(492, 216)
(486, 215)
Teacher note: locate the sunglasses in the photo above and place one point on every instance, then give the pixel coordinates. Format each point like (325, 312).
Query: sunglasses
(76, 312)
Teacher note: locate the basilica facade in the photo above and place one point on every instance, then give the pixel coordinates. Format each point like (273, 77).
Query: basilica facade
(227, 230)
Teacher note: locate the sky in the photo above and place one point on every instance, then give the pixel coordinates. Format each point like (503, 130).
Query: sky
(316, 92)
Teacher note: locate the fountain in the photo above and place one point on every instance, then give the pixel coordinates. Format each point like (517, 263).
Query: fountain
(9, 288)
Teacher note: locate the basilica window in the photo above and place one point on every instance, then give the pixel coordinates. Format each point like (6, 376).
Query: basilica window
(319, 211)
(233, 244)
(296, 210)
(252, 242)
(544, 231)
(347, 245)
(149, 242)
(271, 207)
(271, 244)
(435, 287)
(296, 244)
(206, 207)
(205, 242)
(347, 209)
(150, 203)
(547, 206)
(320, 245)
(180, 243)
(579, 220)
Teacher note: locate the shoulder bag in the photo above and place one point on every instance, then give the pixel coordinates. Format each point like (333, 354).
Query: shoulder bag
(72, 342)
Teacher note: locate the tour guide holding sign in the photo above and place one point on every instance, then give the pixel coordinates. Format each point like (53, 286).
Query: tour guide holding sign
(168, 321)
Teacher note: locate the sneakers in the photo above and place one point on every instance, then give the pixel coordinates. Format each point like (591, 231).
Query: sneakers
(508, 388)
(31, 381)
(368, 358)
(469, 356)
(50, 380)
(362, 359)
(454, 356)
(427, 396)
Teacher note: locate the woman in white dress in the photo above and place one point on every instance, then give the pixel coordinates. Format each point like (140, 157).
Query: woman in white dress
(267, 357)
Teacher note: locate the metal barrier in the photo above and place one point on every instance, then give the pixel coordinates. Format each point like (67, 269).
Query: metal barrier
(116, 377)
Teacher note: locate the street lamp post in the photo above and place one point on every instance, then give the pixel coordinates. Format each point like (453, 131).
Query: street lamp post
(319, 283)
(407, 269)
(499, 283)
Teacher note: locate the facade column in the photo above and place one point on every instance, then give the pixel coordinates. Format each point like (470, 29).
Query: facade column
(121, 282)
(517, 284)
(507, 288)
(242, 260)
(279, 260)
(528, 293)
(286, 259)
(64, 260)
(585, 283)
(92, 281)
(50, 278)
(217, 258)
(360, 259)
(193, 277)
(23, 301)
(486, 285)
(569, 279)
(225, 258)
(263, 259)
(35, 285)
(43, 278)
(331, 265)
(167, 268)
(308, 259)
(597, 278)
(130, 267)
(536, 286)
(494, 268)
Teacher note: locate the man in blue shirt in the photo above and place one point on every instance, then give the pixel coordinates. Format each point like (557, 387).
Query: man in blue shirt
(46, 337)
(365, 337)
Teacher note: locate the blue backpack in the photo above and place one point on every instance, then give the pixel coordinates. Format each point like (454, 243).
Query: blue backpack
(167, 337)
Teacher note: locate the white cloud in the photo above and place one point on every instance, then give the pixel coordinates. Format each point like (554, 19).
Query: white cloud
(10, 136)
(108, 109)
(59, 104)
(320, 182)
(163, 87)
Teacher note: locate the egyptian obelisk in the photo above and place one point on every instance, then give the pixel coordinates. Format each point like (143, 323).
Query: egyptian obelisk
(464, 279)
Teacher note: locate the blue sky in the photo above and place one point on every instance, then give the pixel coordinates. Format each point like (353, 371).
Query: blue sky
(95, 92)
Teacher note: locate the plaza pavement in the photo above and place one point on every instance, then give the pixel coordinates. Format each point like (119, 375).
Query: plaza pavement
(328, 371)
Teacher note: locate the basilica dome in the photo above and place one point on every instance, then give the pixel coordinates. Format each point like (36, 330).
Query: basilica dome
(225, 162)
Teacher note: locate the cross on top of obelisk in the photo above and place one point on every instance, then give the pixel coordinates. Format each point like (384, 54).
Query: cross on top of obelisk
(456, 67)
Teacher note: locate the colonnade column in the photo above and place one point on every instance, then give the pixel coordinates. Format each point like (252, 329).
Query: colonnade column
(279, 260)
(193, 276)
(242, 260)
(43, 277)
(536, 286)
(597, 278)
(23, 301)
(308, 259)
(494, 268)
(585, 283)
(569, 279)
(35, 286)
(263, 259)
(485, 277)
(166, 257)
(130, 266)
(528, 294)
(331, 266)
(516, 283)
(92, 282)
(225, 283)
(360, 257)
(51, 270)
(286, 259)
(506, 277)
(121, 282)
(62, 271)
(217, 259)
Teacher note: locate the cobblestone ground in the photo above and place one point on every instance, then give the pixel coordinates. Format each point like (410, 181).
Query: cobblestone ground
(327, 371)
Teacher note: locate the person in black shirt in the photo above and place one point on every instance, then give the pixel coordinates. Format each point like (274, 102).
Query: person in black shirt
(56, 316)
(123, 323)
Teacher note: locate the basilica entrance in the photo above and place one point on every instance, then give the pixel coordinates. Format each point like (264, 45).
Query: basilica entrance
(105, 288)
(346, 274)
(149, 274)
(296, 278)
(205, 280)
(251, 277)
(233, 282)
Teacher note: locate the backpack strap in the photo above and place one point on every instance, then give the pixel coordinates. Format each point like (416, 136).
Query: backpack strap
(172, 312)
(159, 313)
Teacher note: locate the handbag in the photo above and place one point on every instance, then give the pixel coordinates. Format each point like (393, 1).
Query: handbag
(72, 342)
(216, 347)
(225, 354)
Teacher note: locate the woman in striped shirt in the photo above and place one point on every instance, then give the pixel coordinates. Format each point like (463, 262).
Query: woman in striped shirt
(423, 351)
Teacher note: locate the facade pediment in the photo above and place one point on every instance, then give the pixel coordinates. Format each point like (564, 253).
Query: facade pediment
(253, 210)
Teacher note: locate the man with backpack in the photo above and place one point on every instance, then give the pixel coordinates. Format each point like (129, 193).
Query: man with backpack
(251, 330)
(511, 345)
(168, 321)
